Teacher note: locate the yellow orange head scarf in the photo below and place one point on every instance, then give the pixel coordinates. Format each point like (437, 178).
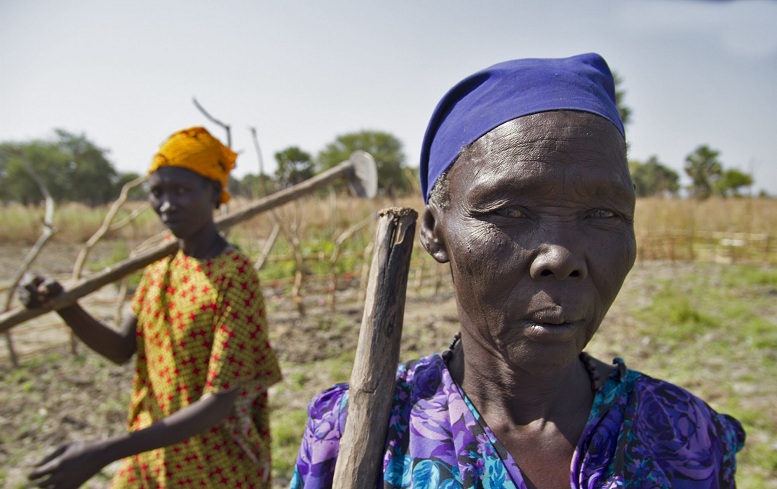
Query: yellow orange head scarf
(196, 150)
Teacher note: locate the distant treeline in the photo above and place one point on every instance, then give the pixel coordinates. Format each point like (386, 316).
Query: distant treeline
(708, 177)
(74, 169)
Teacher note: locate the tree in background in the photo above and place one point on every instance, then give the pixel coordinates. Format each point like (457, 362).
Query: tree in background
(294, 166)
(620, 94)
(136, 193)
(731, 182)
(88, 171)
(384, 147)
(251, 185)
(72, 167)
(653, 178)
(16, 184)
(704, 168)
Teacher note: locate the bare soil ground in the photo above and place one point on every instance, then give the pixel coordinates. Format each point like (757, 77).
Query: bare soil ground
(58, 397)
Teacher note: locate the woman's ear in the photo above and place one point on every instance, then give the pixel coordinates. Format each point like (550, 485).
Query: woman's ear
(430, 234)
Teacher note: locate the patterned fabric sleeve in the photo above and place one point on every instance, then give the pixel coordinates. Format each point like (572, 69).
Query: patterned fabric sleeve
(645, 432)
(315, 467)
(241, 352)
(142, 290)
(687, 443)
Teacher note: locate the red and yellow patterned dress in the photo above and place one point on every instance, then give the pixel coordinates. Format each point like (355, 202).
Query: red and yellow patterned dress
(202, 329)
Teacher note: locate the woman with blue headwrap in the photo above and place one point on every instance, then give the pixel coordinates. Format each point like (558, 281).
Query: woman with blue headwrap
(529, 200)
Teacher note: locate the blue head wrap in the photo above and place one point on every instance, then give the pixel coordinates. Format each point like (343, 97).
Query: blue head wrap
(509, 90)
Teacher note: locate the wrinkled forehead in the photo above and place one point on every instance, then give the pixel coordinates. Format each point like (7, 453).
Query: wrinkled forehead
(558, 129)
(559, 144)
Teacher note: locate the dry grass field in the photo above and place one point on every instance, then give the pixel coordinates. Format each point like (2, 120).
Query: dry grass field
(698, 309)
(733, 229)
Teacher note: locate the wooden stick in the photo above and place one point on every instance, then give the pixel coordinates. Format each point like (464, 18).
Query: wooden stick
(48, 232)
(360, 460)
(111, 274)
(106, 225)
(226, 127)
(345, 235)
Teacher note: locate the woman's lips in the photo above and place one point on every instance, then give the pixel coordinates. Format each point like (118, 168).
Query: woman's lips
(544, 330)
(555, 315)
(171, 220)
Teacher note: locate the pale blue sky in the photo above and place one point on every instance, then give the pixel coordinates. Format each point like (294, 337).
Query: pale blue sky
(302, 73)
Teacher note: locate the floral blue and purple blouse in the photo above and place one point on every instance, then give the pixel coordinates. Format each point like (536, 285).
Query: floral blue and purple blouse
(642, 432)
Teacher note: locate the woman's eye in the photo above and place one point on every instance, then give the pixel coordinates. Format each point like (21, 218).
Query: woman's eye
(601, 214)
(509, 212)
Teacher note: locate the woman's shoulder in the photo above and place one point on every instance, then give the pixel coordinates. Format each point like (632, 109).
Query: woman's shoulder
(420, 374)
(232, 262)
(645, 389)
(328, 401)
(664, 430)
(669, 395)
(660, 406)
(233, 256)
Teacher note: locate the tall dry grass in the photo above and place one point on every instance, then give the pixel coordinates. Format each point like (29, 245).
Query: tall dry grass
(75, 223)
(667, 229)
(727, 230)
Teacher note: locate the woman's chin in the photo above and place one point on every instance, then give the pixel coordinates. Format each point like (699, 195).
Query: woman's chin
(542, 357)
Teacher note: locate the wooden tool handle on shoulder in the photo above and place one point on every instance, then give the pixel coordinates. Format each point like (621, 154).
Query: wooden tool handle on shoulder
(360, 460)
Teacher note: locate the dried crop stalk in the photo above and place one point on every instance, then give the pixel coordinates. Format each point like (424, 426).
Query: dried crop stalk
(344, 236)
(268, 245)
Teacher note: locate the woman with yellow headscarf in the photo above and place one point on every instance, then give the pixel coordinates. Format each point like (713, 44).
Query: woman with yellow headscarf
(198, 413)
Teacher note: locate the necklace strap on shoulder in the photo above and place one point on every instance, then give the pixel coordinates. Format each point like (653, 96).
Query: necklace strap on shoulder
(448, 353)
(593, 372)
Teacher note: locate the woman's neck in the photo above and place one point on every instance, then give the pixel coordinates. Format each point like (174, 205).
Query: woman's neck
(207, 244)
(522, 397)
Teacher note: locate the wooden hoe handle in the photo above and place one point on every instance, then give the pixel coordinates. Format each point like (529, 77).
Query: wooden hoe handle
(347, 170)
(360, 460)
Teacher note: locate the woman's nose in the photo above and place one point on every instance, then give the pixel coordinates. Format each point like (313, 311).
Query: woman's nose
(559, 262)
(166, 206)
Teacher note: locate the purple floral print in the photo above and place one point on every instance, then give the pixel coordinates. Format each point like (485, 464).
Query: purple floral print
(641, 432)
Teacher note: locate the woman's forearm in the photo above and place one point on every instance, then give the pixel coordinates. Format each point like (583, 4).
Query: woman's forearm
(117, 345)
(176, 428)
